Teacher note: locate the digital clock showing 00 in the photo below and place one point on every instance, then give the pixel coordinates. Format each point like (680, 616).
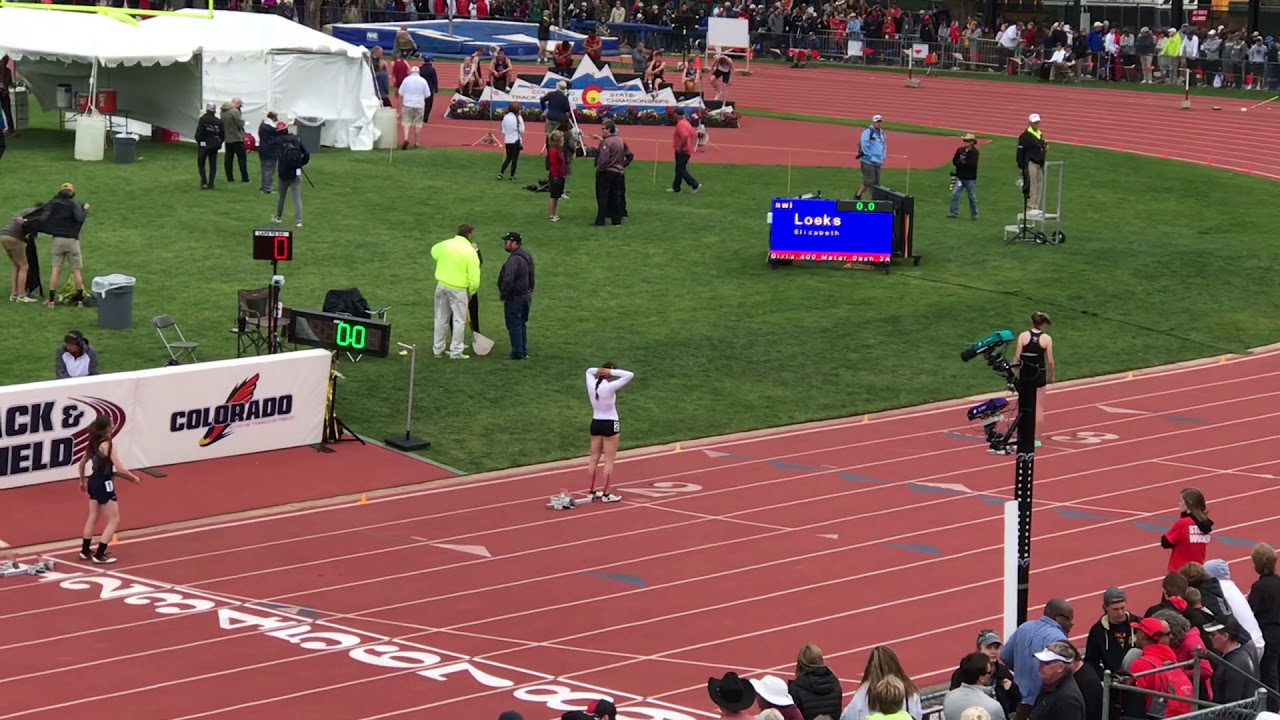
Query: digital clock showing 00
(332, 331)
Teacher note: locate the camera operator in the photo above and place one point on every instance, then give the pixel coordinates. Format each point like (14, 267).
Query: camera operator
(293, 156)
(610, 170)
(76, 358)
(62, 218)
(15, 237)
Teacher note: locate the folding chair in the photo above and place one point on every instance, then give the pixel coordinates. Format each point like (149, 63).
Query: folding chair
(253, 321)
(181, 347)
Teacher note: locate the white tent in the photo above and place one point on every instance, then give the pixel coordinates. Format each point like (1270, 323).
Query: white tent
(275, 64)
(165, 69)
(155, 79)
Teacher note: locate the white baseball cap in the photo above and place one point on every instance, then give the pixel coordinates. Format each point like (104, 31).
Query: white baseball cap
(876, 118)
(1048, 655)
(1034, 118)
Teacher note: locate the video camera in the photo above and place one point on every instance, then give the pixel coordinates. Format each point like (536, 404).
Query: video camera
(990, 413)
(991, 348)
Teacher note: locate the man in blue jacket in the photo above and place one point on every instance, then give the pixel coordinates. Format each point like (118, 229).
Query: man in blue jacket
(871, 152)
(1019, 653)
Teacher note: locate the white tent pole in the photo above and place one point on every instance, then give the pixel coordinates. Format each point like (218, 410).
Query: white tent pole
(93, 89)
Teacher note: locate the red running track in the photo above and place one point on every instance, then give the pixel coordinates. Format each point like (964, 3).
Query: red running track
(1145, 123)
(466, 601)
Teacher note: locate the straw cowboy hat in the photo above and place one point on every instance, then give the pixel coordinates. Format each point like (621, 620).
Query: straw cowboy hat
(969, 137)
(731, 693)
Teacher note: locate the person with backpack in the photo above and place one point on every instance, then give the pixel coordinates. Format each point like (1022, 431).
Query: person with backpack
(209, 138)
(293, 157)
(1152, 639)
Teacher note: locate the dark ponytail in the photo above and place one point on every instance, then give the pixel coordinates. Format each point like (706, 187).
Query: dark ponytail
(1039, 320)
(600, 378)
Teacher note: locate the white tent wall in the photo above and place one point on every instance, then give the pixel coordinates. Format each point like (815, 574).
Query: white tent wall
(271, 63)
(164, 95)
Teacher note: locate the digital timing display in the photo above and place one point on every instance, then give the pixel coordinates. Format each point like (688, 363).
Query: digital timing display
(831, 230)
(332, 331)
(273, 244)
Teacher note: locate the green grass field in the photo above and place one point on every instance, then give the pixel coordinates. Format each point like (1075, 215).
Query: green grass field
(1164, 262)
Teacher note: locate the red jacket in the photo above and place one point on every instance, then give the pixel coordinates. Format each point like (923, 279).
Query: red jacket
(1188, 542)
(559, 163)
(1171, 682)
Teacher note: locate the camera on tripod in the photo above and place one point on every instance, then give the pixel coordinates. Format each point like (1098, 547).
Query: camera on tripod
(277, 281)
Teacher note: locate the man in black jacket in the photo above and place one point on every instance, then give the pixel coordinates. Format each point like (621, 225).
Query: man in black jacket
(965, 176)
(1000, 678)
(515, 289)
(1060, 698)
(1112, 636)
(62, 217)
(209, 137)
(1231, 685)
(1264, 600)
(1174, 585)
(1031, 153)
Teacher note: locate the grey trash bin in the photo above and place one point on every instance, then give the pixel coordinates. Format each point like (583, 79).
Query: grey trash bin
(309, 132)
(126, 148)
(115, 301)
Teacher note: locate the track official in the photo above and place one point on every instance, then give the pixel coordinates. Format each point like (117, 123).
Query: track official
(965, 176)
(457, 278)
(1031, 153)
(871, 153)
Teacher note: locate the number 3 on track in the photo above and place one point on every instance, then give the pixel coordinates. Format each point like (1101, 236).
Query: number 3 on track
(1085, 438)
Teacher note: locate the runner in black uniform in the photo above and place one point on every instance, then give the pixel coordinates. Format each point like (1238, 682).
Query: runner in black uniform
(1035, 357)
(101, 488)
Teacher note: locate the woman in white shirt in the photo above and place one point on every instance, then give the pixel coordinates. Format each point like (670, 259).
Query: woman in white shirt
(513, 137)
(882, 663)
(603, 384)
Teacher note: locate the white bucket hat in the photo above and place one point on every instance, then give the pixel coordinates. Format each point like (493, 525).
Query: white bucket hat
(774, 690)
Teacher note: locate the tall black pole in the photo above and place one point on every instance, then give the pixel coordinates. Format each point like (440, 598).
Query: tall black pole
(273, 320)
(1023, 483)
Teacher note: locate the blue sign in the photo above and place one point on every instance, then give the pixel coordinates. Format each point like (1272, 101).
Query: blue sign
(831, 230)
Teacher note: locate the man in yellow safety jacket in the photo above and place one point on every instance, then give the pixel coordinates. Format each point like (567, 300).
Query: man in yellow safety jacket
(457, 278)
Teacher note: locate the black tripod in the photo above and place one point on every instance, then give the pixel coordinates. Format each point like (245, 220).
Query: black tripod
(334, 428)
(1027, 233)
(273, 310)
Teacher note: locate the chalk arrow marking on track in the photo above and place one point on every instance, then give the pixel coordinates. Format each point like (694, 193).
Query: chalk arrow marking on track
(1122, 411)
(722, 455)
(945, 487)
(830, 537)
(480, 550)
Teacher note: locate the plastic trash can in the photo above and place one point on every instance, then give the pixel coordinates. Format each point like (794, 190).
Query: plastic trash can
(126, 148)
(115, 303)
(309, 132)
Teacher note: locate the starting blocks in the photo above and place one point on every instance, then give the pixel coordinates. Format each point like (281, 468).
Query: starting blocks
(561, 502)
(11, 568)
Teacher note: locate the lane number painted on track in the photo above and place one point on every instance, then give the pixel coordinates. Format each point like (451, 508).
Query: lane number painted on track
(373, 650)
(1085, 438)
(664, 489)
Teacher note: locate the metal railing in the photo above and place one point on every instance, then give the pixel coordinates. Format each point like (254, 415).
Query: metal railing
(1246, 709)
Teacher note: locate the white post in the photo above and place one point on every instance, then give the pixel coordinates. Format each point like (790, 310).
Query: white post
(1010, 568)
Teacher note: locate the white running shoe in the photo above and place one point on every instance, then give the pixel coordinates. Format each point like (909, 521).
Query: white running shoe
(611, 498)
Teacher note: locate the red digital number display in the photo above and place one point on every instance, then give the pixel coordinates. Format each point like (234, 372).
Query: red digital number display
(274, 245)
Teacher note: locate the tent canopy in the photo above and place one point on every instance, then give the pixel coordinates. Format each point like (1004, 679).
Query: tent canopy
(81, 37)
(234, 36)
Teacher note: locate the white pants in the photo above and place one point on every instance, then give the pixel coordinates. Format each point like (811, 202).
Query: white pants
(1035, 177)
(450, 301)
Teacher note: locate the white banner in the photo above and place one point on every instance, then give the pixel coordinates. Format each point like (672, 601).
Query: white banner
(164, 416)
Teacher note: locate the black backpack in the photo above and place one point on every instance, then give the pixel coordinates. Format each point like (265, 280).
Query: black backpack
(292, 154)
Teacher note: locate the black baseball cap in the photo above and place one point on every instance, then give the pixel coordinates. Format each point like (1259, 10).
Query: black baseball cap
(513, 237)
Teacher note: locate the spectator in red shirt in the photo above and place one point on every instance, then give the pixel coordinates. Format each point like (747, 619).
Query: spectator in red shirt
(558, 165)
(1152, 639)
(592, 48)
(1188, 539)
(684, 142)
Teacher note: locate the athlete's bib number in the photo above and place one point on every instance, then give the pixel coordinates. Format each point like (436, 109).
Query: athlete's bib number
(111, 486)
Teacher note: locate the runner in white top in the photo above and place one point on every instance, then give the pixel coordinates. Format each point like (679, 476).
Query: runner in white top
(603, 384)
